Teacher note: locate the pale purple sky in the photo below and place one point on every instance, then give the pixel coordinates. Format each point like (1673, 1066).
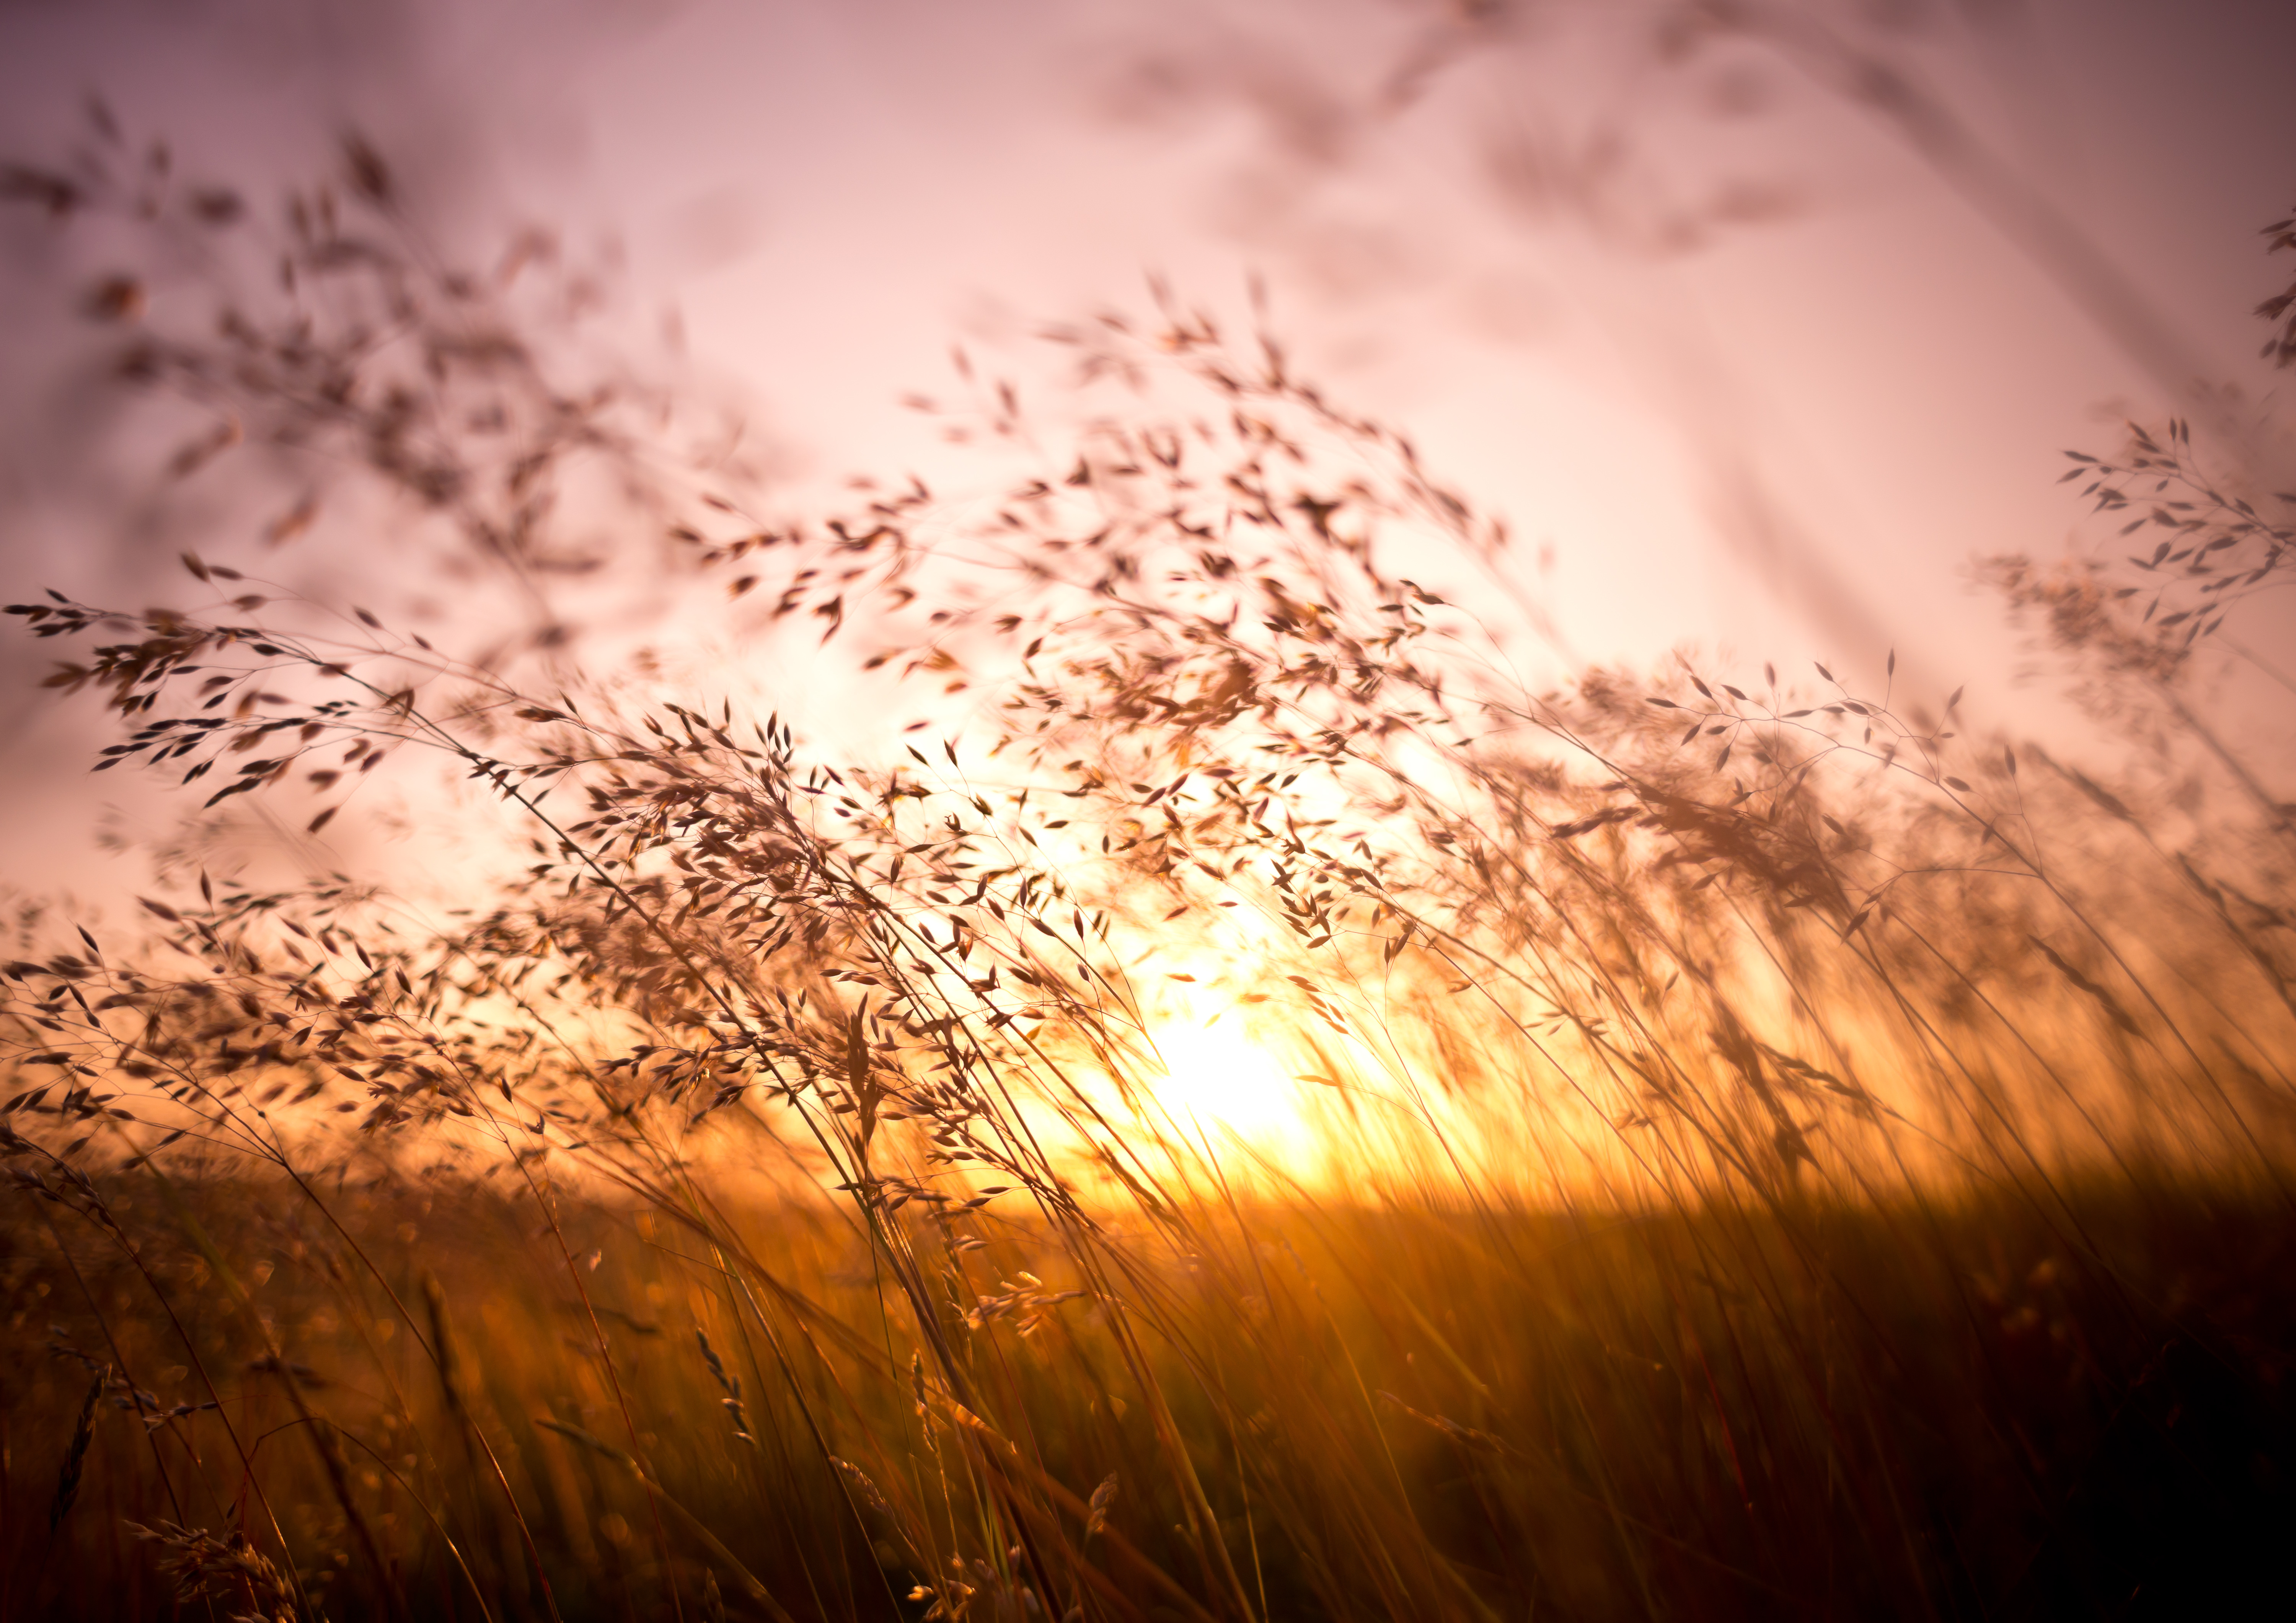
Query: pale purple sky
(1763, 376)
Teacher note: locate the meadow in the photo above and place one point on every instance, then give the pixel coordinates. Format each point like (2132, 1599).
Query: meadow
(1751, 1148)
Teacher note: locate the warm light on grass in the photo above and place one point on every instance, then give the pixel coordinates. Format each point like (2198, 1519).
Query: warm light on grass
(1291, 1125)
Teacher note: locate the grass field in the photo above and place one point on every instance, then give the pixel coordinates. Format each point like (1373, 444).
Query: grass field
(1966, 1408)
(1248, 1113)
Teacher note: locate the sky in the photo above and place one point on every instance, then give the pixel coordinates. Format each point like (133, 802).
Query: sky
(1752, 358)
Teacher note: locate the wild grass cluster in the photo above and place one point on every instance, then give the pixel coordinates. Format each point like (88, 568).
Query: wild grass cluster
(1767, 1150)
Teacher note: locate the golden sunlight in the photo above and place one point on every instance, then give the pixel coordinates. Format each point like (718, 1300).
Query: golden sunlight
(1219, 1081)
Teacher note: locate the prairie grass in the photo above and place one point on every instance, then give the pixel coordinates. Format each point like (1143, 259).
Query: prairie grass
(1769, 1153)
(1852, 1410)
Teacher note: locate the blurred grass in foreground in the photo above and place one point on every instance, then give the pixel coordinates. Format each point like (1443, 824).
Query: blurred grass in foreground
(1933, 1409)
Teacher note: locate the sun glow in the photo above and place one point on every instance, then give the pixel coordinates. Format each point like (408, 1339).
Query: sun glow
(1219, 1083)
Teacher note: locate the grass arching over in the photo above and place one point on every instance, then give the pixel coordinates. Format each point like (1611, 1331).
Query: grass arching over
(1781, 1156)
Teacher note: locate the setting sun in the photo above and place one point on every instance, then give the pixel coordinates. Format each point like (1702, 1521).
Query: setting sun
(1221, 1081)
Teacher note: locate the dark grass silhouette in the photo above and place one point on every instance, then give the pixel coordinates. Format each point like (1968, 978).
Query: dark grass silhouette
(1775, 1154)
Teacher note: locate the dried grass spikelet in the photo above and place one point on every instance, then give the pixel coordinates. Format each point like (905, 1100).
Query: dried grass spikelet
(862, 1485)
(731, 1385)
(231, 1571)
(1104, 1500)
(76, 1454)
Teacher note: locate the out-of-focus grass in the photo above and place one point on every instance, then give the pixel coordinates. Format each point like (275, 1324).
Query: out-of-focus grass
(1964, 1406)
